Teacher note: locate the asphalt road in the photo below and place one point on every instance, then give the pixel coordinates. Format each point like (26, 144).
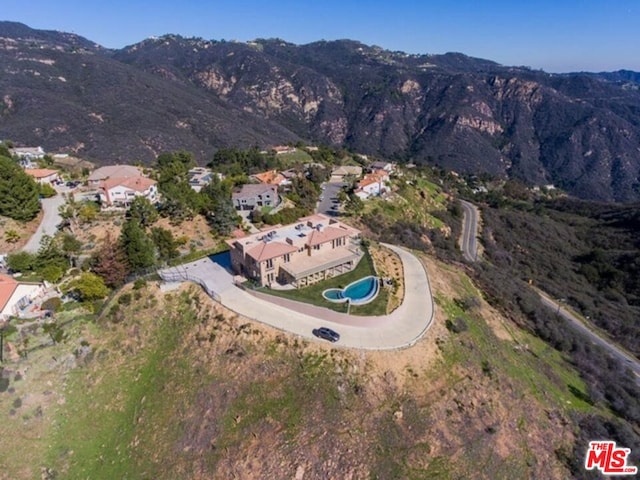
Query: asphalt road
(329, 193)
(469, 250)
(468, 240)
(613, 349)
(49, 224)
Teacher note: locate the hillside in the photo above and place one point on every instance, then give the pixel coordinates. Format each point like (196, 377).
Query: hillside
(171, 385)
(579, 132)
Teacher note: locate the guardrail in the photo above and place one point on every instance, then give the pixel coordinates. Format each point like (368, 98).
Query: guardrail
(182, 276)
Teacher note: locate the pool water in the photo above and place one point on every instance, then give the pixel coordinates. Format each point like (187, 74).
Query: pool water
(223, 259)
(357, 293)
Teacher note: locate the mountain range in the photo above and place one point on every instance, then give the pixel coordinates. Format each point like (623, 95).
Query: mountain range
(578, 131)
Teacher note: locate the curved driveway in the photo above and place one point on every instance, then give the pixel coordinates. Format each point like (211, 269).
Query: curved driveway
(402, 328)
(49, 223)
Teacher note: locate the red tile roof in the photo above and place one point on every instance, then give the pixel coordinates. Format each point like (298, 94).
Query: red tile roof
(139, 184)
(40, 172)
(8, 286)
(326, 234)
(266, 250)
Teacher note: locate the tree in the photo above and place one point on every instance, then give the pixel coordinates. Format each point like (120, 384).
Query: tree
(218, 207)
(142, 210)
(51, 262)
(71, 246)
(166, 245)
(47, 191)
(110, 262)
(78, 213)
(21, 261)
(354, 205)
(19, 193)
(137, 246)
(88, 287)
(55, 332)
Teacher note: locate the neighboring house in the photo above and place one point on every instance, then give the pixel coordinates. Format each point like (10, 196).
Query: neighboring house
(271, 177)
(28, 153)
(43, 175)
(372, 185)
(338, 173)
(200, 177)
(380, 165)
(15, 295)
(280, 149)
(120, 192)
(252, 196)
(111, 172)
(300, 254)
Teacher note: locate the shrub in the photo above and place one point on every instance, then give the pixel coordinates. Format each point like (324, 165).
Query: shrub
(51, 273)
(52, 304)
(124, 299)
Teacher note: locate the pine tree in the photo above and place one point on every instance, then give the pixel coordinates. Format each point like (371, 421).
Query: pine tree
(19, 193)
(138, 247)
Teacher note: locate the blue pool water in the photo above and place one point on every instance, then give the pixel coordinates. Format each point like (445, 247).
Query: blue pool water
(357, 293)
(223, 259)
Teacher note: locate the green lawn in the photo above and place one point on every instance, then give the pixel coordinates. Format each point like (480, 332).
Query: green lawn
(293, 158)
(313, 293)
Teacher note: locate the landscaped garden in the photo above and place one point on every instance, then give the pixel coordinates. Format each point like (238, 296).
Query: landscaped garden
(313, 293)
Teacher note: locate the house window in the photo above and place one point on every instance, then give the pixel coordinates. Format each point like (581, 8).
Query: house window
(270, 263)
(287, 258)
(316, 247)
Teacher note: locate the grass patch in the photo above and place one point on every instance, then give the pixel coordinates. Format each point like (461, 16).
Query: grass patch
(313, 293)
(106, 427)
(294, 158)
(543, 371)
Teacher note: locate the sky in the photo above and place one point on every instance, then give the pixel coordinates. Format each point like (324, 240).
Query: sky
(556, 36)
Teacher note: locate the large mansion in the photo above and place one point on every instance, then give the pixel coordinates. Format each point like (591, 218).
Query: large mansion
(312, 249)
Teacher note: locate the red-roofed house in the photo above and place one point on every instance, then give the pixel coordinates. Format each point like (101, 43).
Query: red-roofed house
(120, 192)
(43, 175)
(299, 254)
(15, 295)
(372, 185)
(271, 177)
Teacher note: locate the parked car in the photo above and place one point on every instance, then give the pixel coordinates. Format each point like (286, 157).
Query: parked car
(326, 334)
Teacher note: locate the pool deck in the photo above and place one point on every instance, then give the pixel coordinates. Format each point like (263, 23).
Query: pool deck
(400, 329)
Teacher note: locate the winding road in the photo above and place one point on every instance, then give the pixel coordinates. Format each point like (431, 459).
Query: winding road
(468, 239)
(469, 250)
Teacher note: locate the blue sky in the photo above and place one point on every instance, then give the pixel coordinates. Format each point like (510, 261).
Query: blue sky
(557, 36)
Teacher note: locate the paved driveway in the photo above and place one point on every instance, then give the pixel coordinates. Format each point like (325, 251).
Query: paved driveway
(49, 224)
(329, 193)
(402, 328)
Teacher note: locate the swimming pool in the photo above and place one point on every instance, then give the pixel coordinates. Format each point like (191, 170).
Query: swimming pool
(357, 293)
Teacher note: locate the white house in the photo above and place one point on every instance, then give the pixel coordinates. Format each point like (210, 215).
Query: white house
(120, 192)
(28, 153)
(15, 295)
(372, 185)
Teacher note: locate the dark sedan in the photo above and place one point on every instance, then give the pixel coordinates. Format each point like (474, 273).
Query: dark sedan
(326, 334)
